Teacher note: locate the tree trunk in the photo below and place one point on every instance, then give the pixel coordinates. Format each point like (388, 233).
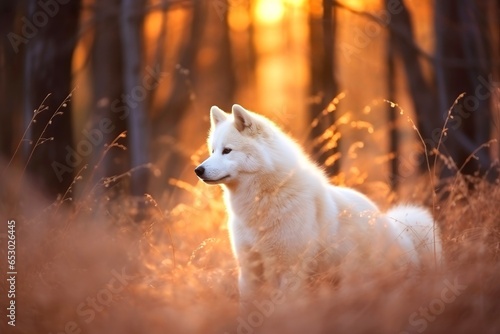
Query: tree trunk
(463, 65)
(132, 13)
(10, 80)
(322, 39)
(48, 59)
(107, 87)
(401, 38)
(391, 112)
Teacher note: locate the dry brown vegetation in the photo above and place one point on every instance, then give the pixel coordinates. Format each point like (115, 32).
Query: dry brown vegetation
(92, 269)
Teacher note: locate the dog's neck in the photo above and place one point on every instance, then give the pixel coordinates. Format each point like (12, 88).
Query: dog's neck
(264, 184)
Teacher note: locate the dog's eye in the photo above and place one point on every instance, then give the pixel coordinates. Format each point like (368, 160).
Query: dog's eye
(226, 151)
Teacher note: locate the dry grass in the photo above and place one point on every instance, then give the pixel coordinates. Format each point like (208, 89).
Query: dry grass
(93, 270)
(181, 278)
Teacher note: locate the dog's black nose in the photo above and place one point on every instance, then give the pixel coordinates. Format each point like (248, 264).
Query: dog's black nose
(200, 170)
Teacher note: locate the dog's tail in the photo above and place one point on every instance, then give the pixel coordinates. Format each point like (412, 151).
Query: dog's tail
(417, 232)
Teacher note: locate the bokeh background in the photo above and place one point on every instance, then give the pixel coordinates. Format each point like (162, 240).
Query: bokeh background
(150, 70)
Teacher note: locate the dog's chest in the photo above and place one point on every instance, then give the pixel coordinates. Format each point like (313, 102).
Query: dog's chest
(255, 213)
(253, 219)
(241, 234)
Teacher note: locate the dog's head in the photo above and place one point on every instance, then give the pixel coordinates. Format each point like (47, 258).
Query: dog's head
(238, 146)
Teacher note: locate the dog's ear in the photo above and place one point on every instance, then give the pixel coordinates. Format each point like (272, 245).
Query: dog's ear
(242, 119)
(217, 116)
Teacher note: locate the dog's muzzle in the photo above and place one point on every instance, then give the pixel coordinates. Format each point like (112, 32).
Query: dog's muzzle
(200, 170)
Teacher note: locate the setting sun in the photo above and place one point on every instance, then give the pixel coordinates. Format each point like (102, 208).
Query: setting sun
(269, 11)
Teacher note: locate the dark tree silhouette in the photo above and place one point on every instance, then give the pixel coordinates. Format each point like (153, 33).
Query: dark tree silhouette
(47, 70)
(106, 64)
(323, 84)
(463, 64)
(10, 83)
(391, 112)
(401, 44)
(132, 15)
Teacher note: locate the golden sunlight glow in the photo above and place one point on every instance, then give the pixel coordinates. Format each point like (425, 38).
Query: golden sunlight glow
(332, 159)
(80, 55)
(152, 24)
(295, 3)
(315, 9)
(356, 4)
(269, 11)
(238, 18)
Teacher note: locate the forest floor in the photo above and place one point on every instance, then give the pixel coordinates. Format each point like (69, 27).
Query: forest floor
(92, 269)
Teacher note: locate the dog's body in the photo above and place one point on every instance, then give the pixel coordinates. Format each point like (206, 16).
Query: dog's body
(286, 220)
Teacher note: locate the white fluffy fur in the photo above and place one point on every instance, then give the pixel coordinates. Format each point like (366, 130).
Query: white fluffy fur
(286, 220)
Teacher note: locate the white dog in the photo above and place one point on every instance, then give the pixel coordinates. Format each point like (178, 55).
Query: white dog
(286, 222)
